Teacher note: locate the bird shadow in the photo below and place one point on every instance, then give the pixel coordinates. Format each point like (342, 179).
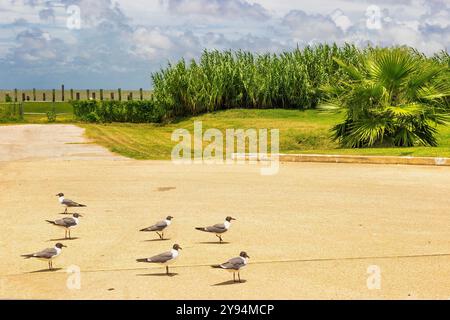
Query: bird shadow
(155, 240)
(228, 283)
(64, 239)
(68, 213)
(172, 274)
(46, 270)
(214, 242)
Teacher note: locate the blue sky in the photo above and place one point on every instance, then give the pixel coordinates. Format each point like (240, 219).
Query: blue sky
(118, 43)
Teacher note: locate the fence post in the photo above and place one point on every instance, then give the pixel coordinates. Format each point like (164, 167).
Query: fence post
(23, 96)
(131, 96)
(112, 96)
(141, 93)
(62, 92)
(21, 111)
(53, 95)
(101, 94)
(93, 95)
(34, 94)
(71, 94)
(120, 94)
(78, 96)
(15, 95)
(43, 96)
(88, 94)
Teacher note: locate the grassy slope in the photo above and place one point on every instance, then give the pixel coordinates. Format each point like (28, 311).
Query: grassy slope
(300, 132)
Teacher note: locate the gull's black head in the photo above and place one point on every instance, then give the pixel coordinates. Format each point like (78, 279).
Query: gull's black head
(60, 245)
(169, 218)
(77, 215)
(60, 194)
(229, 219)
(244, 255)
(177, 247)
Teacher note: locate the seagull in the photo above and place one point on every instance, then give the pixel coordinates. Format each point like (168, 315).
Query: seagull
(67, 223)
(47, 254)
(235, 265)
(159, 226)
(68, 203)
(219, 228)
(165, 258)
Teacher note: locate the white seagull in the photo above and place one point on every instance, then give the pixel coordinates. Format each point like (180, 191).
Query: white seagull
(160, 226)
(66, 223)
(165, 258)
(218, 229)
(67, 202)
(48, 254)
(235, 265)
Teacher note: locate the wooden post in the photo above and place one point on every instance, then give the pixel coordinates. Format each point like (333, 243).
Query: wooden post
(78, 96)
(53, 95)
(23, 96)
(62, 92)
(15, 95)
(112, 96)
(93, 95)
(88, 94)
(120, 94)
(21, 111)
(43, 96)
(71, 94)
(101, 94)
(141, 93)
(34, 94)
(131, 96)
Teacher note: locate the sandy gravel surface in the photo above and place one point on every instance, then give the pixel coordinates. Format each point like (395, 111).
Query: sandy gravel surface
(312, 231)
(36, 142)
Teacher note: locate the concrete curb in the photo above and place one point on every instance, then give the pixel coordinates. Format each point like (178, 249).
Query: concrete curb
(423, 161)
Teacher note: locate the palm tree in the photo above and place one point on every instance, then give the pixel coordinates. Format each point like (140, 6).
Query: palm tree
(394, 97)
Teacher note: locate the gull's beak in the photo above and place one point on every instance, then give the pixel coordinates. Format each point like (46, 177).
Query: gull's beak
(233, 219)
(79, 215)
(180, 248)
(64, 246)
(248, 257)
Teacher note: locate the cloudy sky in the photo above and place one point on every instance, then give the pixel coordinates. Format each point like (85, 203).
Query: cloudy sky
(118, 43)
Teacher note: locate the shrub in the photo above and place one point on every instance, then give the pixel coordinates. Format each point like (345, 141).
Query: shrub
(118, 111)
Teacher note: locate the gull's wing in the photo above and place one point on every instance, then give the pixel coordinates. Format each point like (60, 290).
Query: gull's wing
(70, 203)
(217, 228)
(66, 222)
(45, 254)
(161, 258)
(235, 263)
(159, 226)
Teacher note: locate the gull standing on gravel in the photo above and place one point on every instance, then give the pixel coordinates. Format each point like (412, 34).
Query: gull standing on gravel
(68, 203)
(160, 226)
(165, 258)
(218, 229)
(235, 265)
(48, 254)
(66, 223)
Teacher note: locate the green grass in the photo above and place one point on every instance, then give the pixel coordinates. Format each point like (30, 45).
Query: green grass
(300, 132)
(36, 112)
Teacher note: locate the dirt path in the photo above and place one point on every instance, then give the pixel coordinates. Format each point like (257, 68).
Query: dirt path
(312, 231)
(48, 142)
